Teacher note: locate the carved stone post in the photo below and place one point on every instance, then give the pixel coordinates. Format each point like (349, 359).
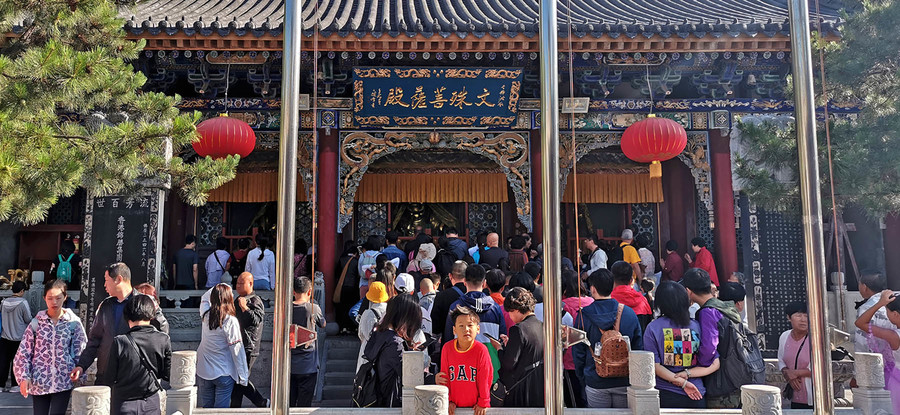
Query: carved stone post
(413, 375)
(183, 395)
(870, 396)
(643, 398)
(760, 400)
(432, 400)
(91, 400)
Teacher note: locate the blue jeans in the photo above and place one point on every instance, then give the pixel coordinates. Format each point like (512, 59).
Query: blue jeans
(216, 393)
(261, 285)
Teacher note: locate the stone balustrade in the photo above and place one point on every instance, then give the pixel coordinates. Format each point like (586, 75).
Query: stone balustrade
(91, 400)
(182, 397)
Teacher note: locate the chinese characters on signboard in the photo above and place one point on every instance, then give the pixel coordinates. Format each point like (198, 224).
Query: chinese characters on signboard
(436, 97)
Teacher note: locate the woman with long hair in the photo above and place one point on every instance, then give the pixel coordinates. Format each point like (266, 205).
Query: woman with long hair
(49, 351)
(675, 340)
(393, 335)
(221, 361)
(261, 263)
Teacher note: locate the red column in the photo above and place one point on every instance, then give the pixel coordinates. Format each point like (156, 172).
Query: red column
(537, 224)
(327, 212)
(723, 204)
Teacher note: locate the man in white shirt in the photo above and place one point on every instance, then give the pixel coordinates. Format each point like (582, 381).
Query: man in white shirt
(870, 287)
(598, 256)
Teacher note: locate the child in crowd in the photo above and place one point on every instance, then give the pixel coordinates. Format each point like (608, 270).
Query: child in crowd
(466, 367)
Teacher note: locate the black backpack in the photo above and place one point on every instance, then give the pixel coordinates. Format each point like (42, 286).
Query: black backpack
(614, 254)
(443, 262)
(741, 362)
(365, 386)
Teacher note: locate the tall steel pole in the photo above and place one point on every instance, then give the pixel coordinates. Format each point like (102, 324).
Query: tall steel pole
(810, 200)
(553, 390)
(287, 206)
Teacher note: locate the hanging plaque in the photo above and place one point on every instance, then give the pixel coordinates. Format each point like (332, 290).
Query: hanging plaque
(436, 97)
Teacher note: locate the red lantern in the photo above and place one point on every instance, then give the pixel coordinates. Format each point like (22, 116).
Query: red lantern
(224, 136)
(653, 140)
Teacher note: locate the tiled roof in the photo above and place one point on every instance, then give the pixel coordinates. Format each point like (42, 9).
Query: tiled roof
(595, 18)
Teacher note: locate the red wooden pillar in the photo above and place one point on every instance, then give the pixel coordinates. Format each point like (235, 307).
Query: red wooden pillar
(723, 204)
(537, 225)
(327, 208)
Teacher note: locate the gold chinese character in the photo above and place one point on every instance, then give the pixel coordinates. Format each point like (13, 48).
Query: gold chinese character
(375, 98)
(395, 96)
(502, 99)
(439, 100)
(458, 99)
(418, 99)
(483, 97)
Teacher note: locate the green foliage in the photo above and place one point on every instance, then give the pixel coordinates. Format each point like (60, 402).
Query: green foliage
(72, 113)
(863, 66)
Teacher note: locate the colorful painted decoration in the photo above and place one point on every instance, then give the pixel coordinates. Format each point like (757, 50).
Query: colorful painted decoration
(223, 136)
(653, 140)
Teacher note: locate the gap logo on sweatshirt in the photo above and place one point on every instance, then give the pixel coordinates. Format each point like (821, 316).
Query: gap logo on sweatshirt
(462, 373)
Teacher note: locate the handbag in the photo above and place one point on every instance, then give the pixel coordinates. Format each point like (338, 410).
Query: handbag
(224, 270)
(499, 391)
(788, 392)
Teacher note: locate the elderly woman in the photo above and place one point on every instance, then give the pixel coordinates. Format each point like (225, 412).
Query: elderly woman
(426, 251)
(793, 357)
(522, 352)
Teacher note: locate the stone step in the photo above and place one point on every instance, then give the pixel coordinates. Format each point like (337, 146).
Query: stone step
(333, 403)
(340, 366)
(337, 392)
(345, 342)
(339, 378)
(342, 353)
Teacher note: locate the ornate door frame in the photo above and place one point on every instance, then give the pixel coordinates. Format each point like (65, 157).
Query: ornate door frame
(509, 149)
(695, 156)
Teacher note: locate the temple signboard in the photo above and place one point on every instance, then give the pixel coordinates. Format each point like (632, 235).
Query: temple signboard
(435, 97)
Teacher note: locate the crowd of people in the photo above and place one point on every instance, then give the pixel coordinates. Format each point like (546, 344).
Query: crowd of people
(476, 312)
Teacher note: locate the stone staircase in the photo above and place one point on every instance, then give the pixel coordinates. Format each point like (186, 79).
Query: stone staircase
(339, 368)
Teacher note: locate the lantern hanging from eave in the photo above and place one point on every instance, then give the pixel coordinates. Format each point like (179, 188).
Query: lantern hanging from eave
(224, 136)
(653, 140)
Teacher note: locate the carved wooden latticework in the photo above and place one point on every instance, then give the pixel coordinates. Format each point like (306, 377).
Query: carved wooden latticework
(695, 156)
(508, 149)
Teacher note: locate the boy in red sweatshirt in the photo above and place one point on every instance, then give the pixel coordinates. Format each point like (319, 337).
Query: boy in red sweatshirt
(466, 367)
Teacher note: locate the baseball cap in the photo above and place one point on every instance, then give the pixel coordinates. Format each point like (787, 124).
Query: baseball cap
(426, 265)
(404, 283)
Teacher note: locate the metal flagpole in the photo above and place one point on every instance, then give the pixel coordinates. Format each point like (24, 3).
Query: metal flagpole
(810, 200)
(553, 390)
(287, 201)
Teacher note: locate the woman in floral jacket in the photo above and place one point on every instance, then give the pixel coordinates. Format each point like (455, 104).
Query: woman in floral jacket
(49, 351)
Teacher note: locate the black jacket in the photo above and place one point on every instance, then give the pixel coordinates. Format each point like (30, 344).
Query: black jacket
(495, 257)
(386, 349)
(441, 308)
(128, 377)
(251, 322)
(102, 332)
(523, 350)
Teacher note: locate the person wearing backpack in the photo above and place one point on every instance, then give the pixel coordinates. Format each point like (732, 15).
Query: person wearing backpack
(675, 341)
(67, 265)
(597, 257)
(722, 330)
(15, 317)
(378, 298)
(381, 376)
(603, 367)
